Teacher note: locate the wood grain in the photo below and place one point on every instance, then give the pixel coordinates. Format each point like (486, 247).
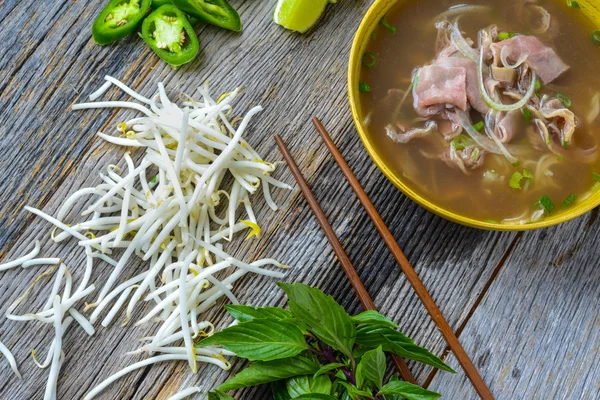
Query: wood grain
(49, 62)
(537, 332)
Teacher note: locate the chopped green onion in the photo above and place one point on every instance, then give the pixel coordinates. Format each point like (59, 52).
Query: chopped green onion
(565, 145)
(515, 180)
(546, 204)
(527, 115)
(506, 35)
(479, 126)
(573, 4)
(415, 82)
(153, 180)
(596, 176)
(491, 221)
(538, 85)
(475, 154)
(596, 37)
(461, 142)
(566, 100)
(560, 158)
(527, 173)
(387, 26)
(570, 199)
(364, 87)
(516, 164)
(369, 60)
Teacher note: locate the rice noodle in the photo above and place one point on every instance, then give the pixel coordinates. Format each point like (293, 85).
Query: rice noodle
(594, 108)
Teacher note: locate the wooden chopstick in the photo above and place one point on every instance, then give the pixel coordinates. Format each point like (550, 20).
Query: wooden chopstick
(353, 277)
(409, 272)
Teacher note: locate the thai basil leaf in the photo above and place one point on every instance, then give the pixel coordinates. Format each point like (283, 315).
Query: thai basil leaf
(328, 367)
(219, 395)
(260, 339)
(300, 385)
(323, 316)
(374, 318)
(315, 396)
(246, 313)
(354, 392)
(372, 367)
(408, 391)
(270, 371)
(390, 340)
(280, 391)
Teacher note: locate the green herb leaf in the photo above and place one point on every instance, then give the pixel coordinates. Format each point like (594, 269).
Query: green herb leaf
(596, 37)
(315, 396)
(565, 100)
(153, 180)
(569, 200)
(219, 395)
(374, 318)
(527, 116)
(573, 4)
(461, 142)
(270, 371)
(596, 176)
(260, 339)
(364, 87)
(408, 391)
(372, 367)
(279, 391)
(328, 367)
(372, 336)
(479, 126)
(369, 60)
(323, 316)
(560, 158)
(300, 385)
(355, 392)
(387, 26)
(246, 313)
(515, 180)
(506, 35)
(546, 204)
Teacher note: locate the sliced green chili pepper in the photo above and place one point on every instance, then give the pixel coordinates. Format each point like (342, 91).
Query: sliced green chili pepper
(169, 33)
(216, 12)
(118, 19)
(160, 3)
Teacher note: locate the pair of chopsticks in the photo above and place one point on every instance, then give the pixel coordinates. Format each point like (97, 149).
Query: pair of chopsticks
(367, 302)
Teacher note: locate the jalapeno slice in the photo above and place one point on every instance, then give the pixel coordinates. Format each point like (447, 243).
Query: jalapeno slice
(160, 3)
(216, 12)
(118, 19)
(169, 33)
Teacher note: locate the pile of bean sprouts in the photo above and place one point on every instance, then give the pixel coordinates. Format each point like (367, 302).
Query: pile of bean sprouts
(189, 194)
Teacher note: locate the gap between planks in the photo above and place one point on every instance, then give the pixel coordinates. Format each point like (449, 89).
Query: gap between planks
(477, 302)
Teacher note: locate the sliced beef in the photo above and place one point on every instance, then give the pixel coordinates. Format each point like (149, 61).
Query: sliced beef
(505, 125)
(440, 86)
(541, 58)
(473, 93)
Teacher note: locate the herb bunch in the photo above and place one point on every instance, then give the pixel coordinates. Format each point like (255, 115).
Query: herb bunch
(316, 350)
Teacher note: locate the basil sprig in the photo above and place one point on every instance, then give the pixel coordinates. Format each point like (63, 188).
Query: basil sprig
(315, 350)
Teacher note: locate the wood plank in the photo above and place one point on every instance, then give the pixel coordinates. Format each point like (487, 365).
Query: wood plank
(537, 332)
(294, 77)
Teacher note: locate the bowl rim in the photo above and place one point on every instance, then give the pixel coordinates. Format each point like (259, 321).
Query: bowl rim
(375, 12)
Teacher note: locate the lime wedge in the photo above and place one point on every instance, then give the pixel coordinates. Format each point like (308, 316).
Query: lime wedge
(299, 15)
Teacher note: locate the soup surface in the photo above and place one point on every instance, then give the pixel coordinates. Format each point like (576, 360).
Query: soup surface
(536, 180)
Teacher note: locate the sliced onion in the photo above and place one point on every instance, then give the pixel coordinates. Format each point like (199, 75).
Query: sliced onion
(504, 59)
(461, 9)
(461, 44)
(465, 122)
(594, 108)
(499, 106)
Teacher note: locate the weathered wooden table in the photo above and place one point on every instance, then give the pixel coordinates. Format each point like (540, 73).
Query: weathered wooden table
(526, 305)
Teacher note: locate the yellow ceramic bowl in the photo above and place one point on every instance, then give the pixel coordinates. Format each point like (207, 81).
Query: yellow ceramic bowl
(590, 8)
